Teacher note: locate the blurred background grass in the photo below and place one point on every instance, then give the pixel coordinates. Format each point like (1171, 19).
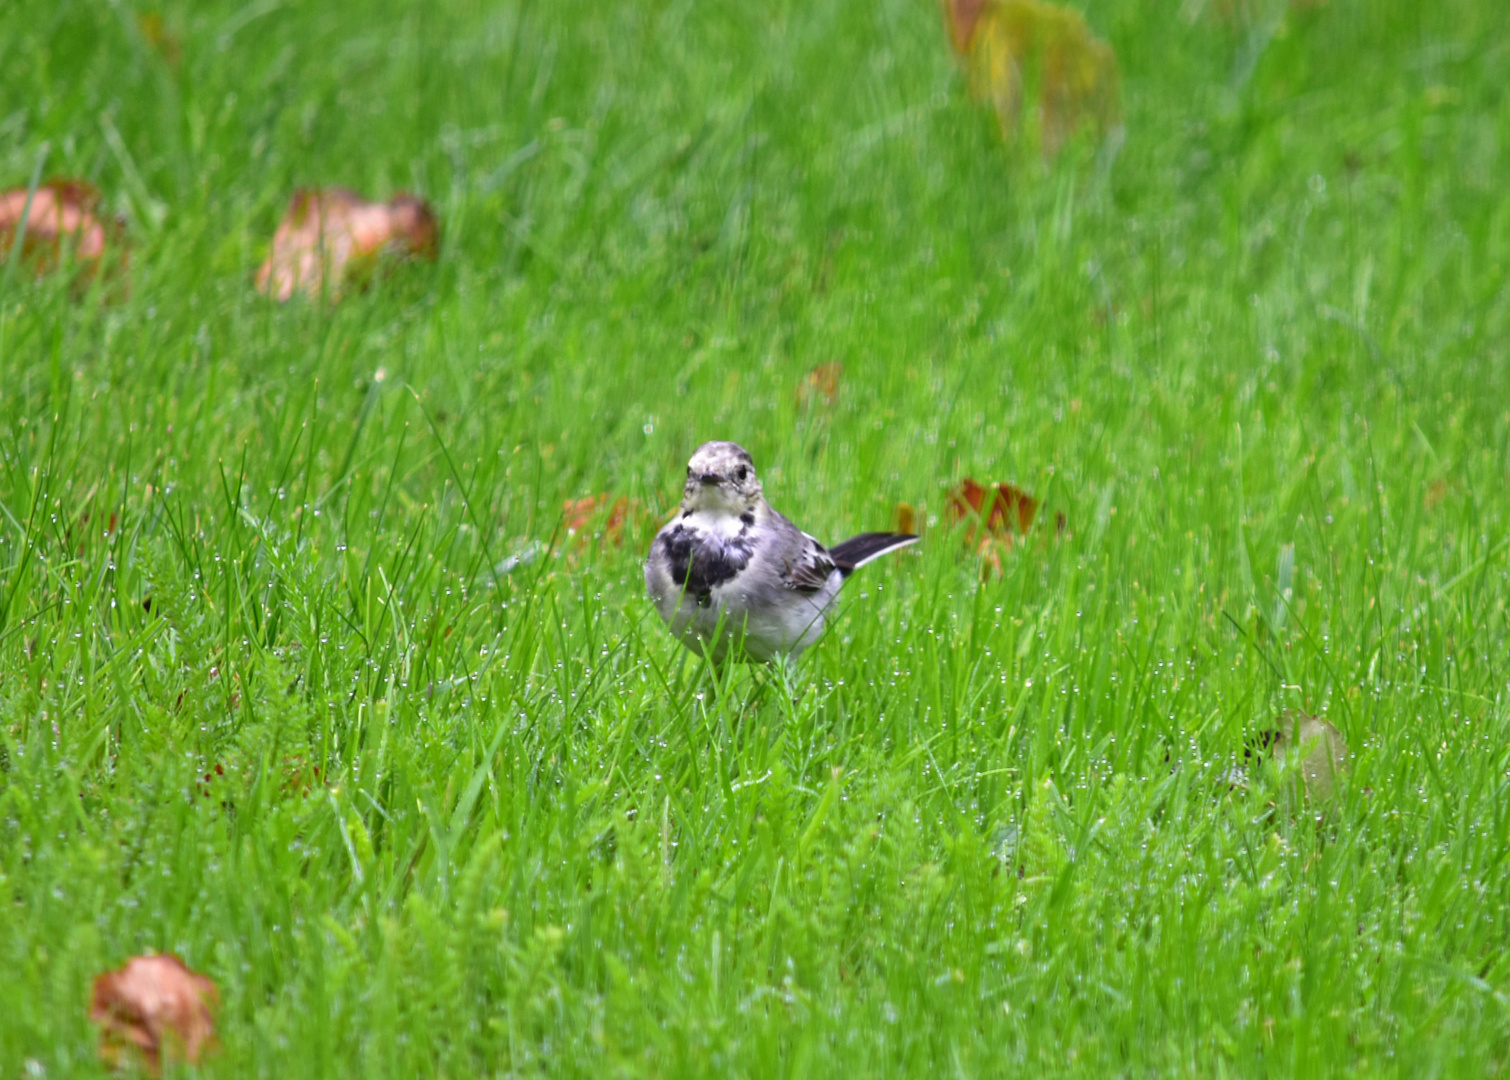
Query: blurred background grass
(474, 821)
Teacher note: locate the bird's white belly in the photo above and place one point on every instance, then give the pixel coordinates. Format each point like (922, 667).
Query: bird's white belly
(733, 618)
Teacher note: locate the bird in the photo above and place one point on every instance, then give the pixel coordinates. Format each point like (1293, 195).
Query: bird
(730, 575)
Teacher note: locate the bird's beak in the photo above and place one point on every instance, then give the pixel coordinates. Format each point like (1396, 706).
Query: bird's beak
(709, 478)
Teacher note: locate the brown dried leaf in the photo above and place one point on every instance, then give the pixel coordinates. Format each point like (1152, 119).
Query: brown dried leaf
(1436, 491)
(907, 519)
(63, 214)
(332, 236)
(1315, 748)
(822, 382)
(157, 1005)
(1012, 48)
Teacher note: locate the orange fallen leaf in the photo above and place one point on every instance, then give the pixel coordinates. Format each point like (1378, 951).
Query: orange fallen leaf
(157, 1005)
(999, 507)
(1012, 48)
(995, 515)
(822, 382)
(627, 515)
(332, 236)
(582, 519)
(963, 16)
(577, 514)
(62, 216)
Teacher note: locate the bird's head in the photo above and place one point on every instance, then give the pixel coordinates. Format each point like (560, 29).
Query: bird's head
(721, 478)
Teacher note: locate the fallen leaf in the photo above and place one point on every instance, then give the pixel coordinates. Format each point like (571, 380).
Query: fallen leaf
(333, 237)
(963, 17)
(158, 37)
(585, 519)
(626, 514)
(1314, 748)
(822, 382)
(907, 519)
(157, 1005)
(994, 515)
(576, 514)
(1012, 48)
(1009, 506)
(63, 216)
(1435, 493)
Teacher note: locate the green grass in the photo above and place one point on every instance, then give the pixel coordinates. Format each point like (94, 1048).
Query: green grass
(462, 822)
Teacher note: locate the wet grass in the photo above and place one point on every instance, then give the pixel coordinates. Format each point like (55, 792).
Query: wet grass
(287, 686)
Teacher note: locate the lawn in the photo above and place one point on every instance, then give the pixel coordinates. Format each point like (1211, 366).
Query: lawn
(303, 678)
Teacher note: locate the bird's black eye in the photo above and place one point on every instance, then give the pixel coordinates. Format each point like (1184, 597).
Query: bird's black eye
(741, 473)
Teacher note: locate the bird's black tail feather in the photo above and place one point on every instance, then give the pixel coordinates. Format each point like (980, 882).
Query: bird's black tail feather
(851, 554)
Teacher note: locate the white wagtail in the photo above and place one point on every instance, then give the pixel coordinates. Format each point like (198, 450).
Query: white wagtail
(729, 570)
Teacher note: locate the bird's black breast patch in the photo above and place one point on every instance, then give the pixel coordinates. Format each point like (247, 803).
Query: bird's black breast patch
(700, 561)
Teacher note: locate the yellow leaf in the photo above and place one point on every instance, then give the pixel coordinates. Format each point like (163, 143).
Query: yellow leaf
(1017, 51)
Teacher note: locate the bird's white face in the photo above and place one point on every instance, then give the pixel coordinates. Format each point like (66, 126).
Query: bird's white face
(720, 479)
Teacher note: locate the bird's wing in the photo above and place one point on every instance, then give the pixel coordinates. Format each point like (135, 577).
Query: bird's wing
(807, 568)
